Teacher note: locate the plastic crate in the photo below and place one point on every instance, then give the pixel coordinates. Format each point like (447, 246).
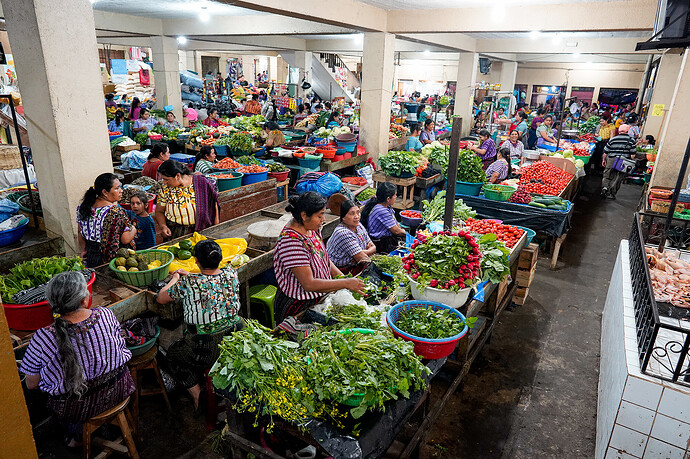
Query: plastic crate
(182, 158)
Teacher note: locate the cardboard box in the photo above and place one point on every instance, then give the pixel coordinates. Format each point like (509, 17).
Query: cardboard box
(562, 163)
(108, 88)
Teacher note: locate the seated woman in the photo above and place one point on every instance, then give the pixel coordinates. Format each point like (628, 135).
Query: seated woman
(211, 303)
(514, 145)
(486, 149)
(80, 360)
(144, 123)
(118, 124)
(545, 133)
(204, 160)
(103, 225)
(160, 153)
(379, 219)
(304, 270)
(274, 137)
(335, 120)
(350, 246)
(170, 122)
(428, 135)
(413, 143)
(500, 169)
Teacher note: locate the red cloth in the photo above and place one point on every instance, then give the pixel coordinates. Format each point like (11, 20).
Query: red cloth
(150, 169)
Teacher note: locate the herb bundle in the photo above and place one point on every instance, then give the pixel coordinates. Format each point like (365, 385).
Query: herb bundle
(397, 163)
(430, 324)
(470, 167)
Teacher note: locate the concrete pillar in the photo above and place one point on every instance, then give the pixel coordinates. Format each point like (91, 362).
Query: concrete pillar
(508, 74)
(303, 62)
(249, 68)
(63, 99)
(674, 131)
(377, 91)
(166, 71)
(464, 92)
(595, 95)
(528, 94)
(273, 68)
(662, 93)
(197, 62)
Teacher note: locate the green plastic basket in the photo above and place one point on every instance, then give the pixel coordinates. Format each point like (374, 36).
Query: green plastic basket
(503, 195)
(585, 159)
(144, 278)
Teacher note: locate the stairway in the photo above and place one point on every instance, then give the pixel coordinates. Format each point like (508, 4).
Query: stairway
(323, 76)
(332, 62)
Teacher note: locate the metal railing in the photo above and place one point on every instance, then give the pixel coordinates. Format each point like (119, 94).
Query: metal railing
(662, 346)
(652, 225)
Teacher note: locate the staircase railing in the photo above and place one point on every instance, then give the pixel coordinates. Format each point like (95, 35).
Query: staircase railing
(333, 61)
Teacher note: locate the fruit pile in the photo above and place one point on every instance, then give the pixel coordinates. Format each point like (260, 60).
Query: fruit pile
(184, 250)
(521, 196)
(411, 214)
(506, 233)
(227, 163)
(252, 169)
(542, 177)
(445, 260)
(128, 260)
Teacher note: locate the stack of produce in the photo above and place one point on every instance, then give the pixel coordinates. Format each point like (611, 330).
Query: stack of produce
(365, 194)
(398, 130)
(549, 202)
(505, 233)
(241, 141)
(544, 178)
(437, 154)
(411, 214)
(521, 196)
(227, 163)
(399, 163)
(429, 324)
(168, 134)
(590, 126)
(470, 167)
(33, 273)
(249, 161)
(276, 167)
(581, 149)
(252, 169)
(184, 250)
(433, 211)
(128, 260)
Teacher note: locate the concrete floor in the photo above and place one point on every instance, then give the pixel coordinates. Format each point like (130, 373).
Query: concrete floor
(533, 391)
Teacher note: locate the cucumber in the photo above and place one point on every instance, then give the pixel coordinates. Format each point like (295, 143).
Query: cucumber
(537, 204)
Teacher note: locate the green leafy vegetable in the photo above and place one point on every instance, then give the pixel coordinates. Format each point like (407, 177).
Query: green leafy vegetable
(35, 272)
(141, 138)
(470, 167)
(434, 210)
(241, 141)
(495, 260)
(354, 316)
(397, 163)
(248, 161)
(366, 193)
(430, 324)
(590, 126)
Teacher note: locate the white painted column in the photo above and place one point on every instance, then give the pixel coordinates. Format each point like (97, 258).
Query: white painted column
(377, 91)
(57, 59)
(197, 63)
(249, 68)
(595, 95)
(508, 74)
(303, 61)
(273, 68)
(674, 131)
(664, 85)
(167, 73)
(464, 92)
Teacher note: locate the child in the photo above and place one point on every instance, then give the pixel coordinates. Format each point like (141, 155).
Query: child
(146, 228)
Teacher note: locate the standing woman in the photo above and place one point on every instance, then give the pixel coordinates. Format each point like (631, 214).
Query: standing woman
(135, 109)
(103, 224)
(486, 150)
(80, 360)
(379, 218)
(187, 203)
(204, 160)
(532, 133)
(350, 246)
(160, 152)
(304, 270)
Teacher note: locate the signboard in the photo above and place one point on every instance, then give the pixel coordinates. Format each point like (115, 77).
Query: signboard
(658, 109)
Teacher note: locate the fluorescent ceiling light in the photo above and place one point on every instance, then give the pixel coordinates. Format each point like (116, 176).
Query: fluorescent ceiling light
(427, 52)
(576, 55)
(534, 34)
(203, 15)
(181, 40)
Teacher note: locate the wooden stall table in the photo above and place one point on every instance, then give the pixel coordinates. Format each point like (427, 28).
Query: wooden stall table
(329, 166)
(423, 183)
(407, 184)
(398, 143)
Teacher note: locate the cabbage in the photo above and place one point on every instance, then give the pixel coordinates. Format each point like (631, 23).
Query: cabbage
(579, 163)
(557, 155)
(568, 154)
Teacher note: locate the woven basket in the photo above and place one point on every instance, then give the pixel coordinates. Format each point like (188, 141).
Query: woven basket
(10, 157)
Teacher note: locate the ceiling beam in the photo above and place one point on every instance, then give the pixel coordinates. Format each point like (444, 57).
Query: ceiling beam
(265, 42)
(127, 23)
(449, 41)
(252, 25)
(546, 45)
(347, 13)
(349, 45)
(586, 16)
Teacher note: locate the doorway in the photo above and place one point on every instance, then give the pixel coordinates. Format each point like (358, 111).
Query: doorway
(209, 64)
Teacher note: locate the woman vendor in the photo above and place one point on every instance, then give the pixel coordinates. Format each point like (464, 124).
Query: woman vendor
(514, 145)
(204, 160)
(211, 303)
(145, 123)
(213, 120)
(413, 143)
(545, 133)
(486, 149)
(428, 135)
(500, 169)
(350, 246)
(103, 224)
(274, 137)
(79, 360)
(379, 218)
(135, 109)
(335, 120)
(118, 124)
(160, 153)
(187, 203)
(170, 122)
(304, 270)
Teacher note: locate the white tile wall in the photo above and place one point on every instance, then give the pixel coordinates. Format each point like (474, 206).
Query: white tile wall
(635, 417)
(613, 453)
(675, 404)
(642, 392)
(671, 431)
(659, 450)
(628, 440)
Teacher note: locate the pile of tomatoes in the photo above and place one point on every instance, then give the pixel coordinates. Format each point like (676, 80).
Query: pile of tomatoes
(227, 163)
(543, 177)
(252, 169)
(506, 233)
(411, 214)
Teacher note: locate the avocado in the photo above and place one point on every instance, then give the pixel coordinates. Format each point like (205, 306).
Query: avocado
(184, 255)
(122, 253)
(143, 266)
(186, 244)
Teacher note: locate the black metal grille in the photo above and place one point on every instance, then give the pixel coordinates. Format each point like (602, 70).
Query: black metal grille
(662, 347)
(653, 228)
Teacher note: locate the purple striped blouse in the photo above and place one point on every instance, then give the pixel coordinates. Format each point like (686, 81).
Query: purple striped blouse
(294, 249)
(100, 349)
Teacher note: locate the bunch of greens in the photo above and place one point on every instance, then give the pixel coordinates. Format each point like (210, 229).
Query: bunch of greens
(590, 126)
(241, 141)
(433, 210)
(248, 161)
(430, 324)
(225, 140)
(373, 366)
(440, 157)
(440, 260)
(443, 101)
(141, 138)
(354, 316)
(495, 260)
(470, 167)
(397, 163)
(35, 272)
(388, 263)
(366, 193)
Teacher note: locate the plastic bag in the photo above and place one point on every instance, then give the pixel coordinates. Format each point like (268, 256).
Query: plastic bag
(328, 184)
(7, 209)
(230, 247)
(366, 172)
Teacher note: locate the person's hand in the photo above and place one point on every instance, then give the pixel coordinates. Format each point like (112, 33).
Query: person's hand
(354, 284)
(165, 231)
(181, 272)
(603, 161)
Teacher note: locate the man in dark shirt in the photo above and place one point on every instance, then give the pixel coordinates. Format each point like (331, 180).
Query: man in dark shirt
(620, 146)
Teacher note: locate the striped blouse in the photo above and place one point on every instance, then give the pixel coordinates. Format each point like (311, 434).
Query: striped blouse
(97, 341)
(208, 298)
(180, 204)
(203, 166)
(344, 244)
(294, 249)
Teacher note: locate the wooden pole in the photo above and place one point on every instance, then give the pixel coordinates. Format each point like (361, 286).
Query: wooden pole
(452, 172)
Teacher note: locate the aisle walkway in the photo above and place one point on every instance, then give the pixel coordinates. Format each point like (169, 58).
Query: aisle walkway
(533, 391)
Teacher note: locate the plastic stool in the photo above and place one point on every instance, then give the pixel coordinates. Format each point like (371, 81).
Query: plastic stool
(118, 415)
(265, 294)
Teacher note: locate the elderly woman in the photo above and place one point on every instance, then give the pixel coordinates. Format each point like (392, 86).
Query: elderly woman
(350, 246)
(160, 153)
(486, 149)
(545, 133)
(379, 218)
(304, 271)
(103, 225)
(80, 360)
(187, 203)
(211, 304)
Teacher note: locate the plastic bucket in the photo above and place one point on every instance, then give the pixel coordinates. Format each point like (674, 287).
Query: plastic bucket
(279, 176)
(468, 188)
(254, 177)
(11, 236)
(221, 150)
(309, 163)
(530, 234)
(225, 184)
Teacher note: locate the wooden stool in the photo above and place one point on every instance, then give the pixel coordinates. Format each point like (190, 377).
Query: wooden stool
(118, 415)
(284, 185)
(137, 364)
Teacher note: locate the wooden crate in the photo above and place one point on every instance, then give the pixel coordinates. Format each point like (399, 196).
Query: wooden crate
(502, 289)
(529, 256)
(406, 200)
(525, 276)
(125, 148)
(520, 295)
